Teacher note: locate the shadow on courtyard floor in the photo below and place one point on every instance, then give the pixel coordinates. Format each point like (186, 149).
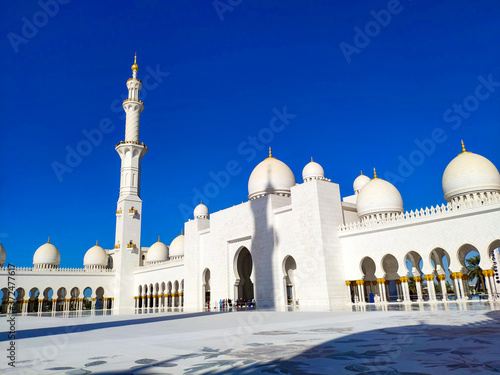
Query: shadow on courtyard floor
(61, 330)
(406, 350)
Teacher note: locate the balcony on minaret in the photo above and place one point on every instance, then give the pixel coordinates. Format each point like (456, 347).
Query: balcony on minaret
(117, 246)
(133, 212)
(131, 245)
(119, 212)
(131, 143)
(133, 100)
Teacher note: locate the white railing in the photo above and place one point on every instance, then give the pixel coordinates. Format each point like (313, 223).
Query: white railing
(171, 261)
(58, 270)
(457, 204)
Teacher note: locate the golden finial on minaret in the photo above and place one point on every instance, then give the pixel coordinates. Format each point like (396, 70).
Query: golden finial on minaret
(270, 154)
(97, 242)
(361, 172)
(374, 173)
(182, 232)
(135, 67)
(158, 238)
(48, 241)
(311, 158)
(463, 147)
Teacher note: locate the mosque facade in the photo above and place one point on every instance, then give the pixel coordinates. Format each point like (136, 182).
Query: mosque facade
(292, 243)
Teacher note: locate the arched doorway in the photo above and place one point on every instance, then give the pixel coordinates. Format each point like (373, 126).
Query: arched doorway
(205, 288)
(470, 261)
(138, 303)
(390, 266)
(289, 267)
(243, 287)
(368, 269)
(440, 260)
(33, 301)
(73, 303)
(169, 294)
(99, 294)
(176, 293)
(414, 264)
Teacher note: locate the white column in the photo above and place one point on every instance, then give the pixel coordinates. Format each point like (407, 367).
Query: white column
(442, 283)
(398, 289)
(456, 283)
(418, 284)
(488, 284)
(381, 287)
(348, 285)
(362, 286)
(493, 284)
(430, 287)
(460, 285)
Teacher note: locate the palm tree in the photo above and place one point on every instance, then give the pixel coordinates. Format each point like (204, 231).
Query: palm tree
(475, 271)
(411, 286)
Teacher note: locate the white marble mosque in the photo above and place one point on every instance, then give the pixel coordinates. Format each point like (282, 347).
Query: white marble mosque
(293, 243)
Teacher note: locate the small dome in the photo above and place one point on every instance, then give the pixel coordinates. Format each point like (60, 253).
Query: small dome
(360, 182)
(201, 212)
(95, 257)
(177, 246)
(3, 255)
(270, 176)
(47, 255)
(158, 252)
(313, 171)
(469, 173)
(379, 197)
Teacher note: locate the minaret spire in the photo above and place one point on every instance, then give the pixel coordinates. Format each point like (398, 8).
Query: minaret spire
(132, 106)
(128, 225)
(135, 67)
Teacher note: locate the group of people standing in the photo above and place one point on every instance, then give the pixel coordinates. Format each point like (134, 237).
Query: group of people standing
(227, 304)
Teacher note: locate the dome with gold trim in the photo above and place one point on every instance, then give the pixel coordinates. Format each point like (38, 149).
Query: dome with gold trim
(201, 211)
(271, 176)
(95, 257)
(469, 173)
(177, 246)
(158, 252)
(47, 256)
(360, 182)
(379, 197)
(313, 171)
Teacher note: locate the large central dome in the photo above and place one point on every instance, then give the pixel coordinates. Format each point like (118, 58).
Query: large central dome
(270, 176)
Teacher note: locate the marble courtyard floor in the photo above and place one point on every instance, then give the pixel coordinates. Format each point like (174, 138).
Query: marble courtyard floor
(431, 339)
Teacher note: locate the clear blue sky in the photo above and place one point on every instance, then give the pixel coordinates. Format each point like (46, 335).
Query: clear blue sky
(230, 68)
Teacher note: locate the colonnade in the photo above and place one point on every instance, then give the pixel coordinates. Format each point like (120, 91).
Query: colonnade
(359, 290)
(158, 302)
(39, 306)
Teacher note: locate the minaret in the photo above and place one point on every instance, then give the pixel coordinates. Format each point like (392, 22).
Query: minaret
(129, 206)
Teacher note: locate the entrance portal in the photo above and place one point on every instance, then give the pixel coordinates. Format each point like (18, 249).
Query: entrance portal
(206, 287)
(244, 285)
